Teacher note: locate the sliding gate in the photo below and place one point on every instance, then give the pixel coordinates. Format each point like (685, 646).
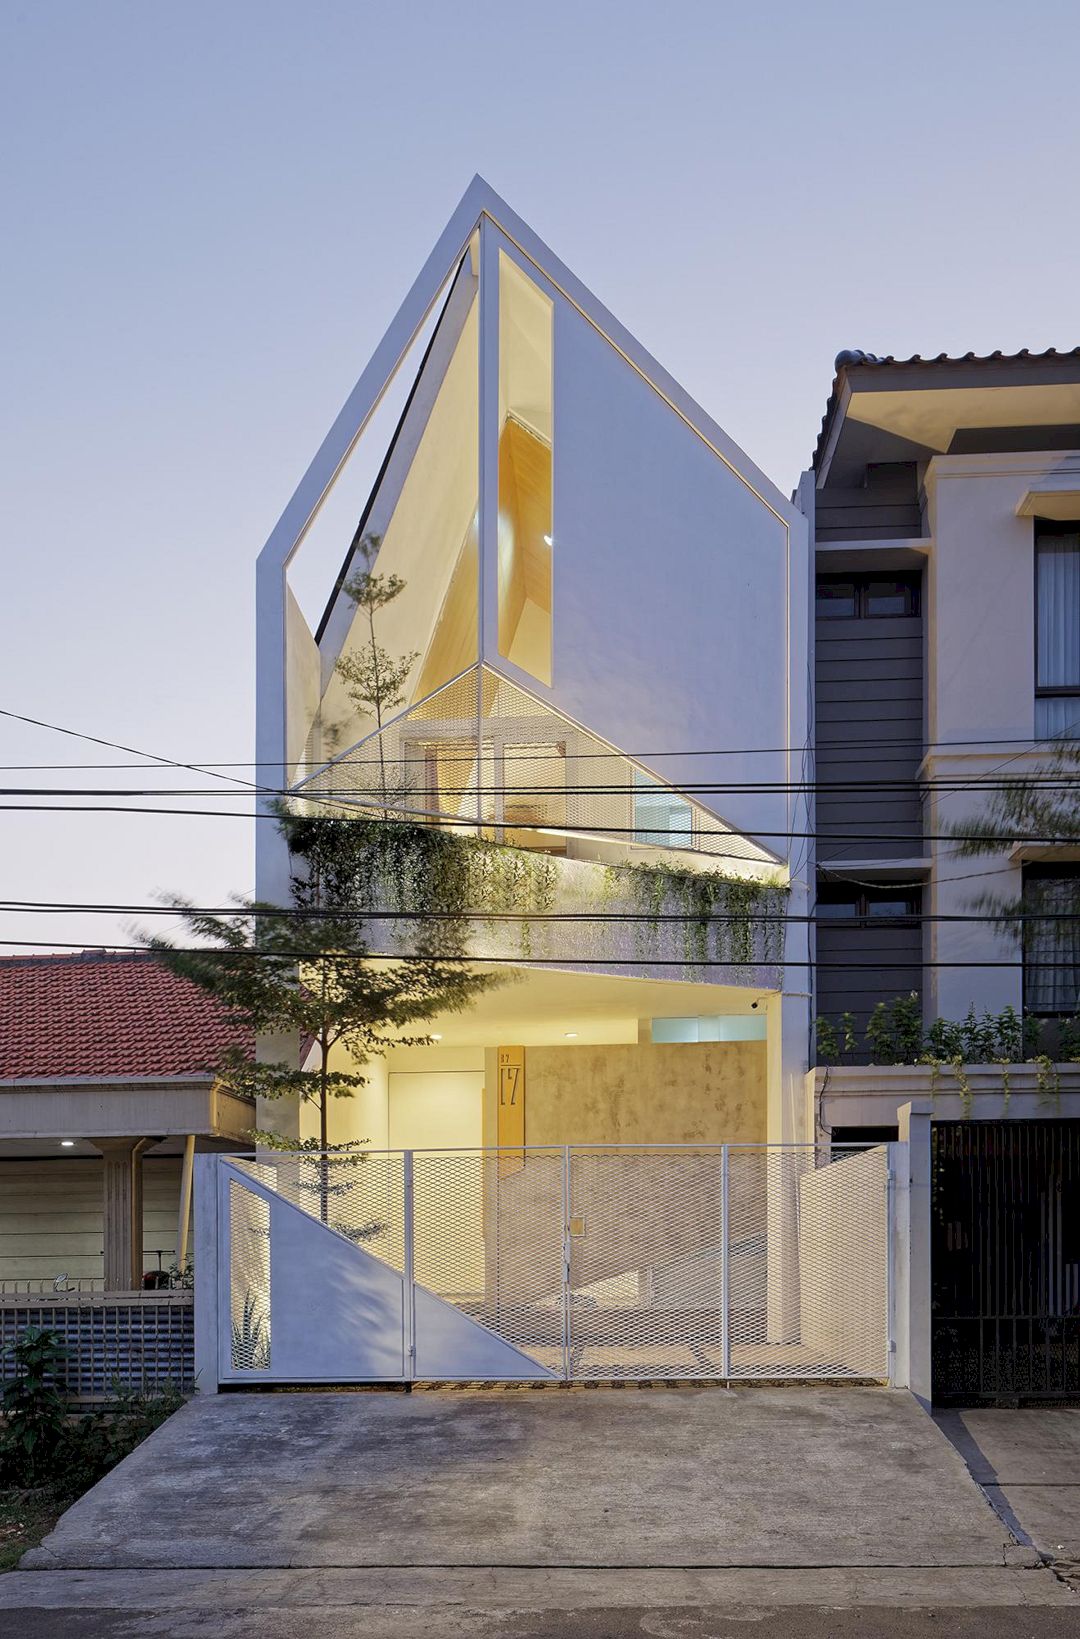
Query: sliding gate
(737, 1261)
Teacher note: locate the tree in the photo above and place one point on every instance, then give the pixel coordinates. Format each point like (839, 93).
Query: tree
(374, 680)
(307, 971)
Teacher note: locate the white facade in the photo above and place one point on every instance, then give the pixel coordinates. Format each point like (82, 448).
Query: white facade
(603, 622)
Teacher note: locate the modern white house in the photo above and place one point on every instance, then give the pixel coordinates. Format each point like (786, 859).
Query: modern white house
(604, 625)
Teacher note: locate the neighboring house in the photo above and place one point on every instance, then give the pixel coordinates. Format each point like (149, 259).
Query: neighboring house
(606, 608)
(944, 504)
(106, 1090)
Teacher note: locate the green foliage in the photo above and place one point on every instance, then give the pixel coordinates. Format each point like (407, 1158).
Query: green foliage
(895, 1035)
(1069, 1041)
(34, 1408)
(305, 971)
(828, 1042)
(250, 1337)
(43, 1445)
(727, 918)
(374, 679)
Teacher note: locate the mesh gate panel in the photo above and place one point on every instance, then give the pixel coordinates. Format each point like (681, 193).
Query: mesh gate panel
(360, 1196)
(249, 1279)
(604, 1263)
(843, 1265)
(645, 1263)
(488, 1237)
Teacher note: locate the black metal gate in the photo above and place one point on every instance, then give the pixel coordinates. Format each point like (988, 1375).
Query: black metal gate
(1005, 1247)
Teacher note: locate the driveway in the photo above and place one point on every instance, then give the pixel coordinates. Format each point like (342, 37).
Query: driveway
(535, 1512)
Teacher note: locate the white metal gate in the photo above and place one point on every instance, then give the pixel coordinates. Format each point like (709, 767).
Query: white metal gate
(579, 1263)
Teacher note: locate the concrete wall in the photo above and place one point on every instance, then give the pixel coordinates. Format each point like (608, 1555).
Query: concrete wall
(685, 1093)
(51, 1217)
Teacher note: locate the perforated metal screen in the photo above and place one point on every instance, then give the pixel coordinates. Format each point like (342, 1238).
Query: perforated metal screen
(481, 750)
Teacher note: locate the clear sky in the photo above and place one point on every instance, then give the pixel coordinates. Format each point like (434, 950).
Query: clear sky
(211, 211)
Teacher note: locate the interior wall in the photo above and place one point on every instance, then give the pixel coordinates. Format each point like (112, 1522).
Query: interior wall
(659, 1093)
(436, 1109)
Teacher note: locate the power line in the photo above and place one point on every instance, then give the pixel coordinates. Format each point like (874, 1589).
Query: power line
(530, 961)
(206, 764)
(445, 821)
(61, 907)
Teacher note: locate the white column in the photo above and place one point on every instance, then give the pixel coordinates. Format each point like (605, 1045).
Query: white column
(911, 1266)
(208, 1293)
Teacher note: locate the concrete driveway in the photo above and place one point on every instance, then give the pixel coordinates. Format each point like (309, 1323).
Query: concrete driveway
(534, 1511)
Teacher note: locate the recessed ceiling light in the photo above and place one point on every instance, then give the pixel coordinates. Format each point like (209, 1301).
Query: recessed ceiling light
(435, 1036)
(67, 1143)
(571, 1035)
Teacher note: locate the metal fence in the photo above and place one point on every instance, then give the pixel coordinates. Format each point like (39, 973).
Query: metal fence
(578, 1263)
(1005, 1243)
(140, 1340)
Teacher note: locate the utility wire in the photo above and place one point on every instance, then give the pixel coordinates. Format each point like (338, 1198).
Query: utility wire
(314, 914)
(530, 961)
(206, 764)
(446, 821)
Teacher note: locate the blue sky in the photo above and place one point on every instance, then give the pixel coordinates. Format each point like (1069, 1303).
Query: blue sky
(211, 212)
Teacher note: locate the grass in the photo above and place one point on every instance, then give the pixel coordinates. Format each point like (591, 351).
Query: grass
(26, 1517)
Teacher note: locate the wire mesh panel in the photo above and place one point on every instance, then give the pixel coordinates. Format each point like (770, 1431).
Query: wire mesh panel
(843, 1265)
(249, 1279)
(360, 1195)
(646, 1263)
(488, 1238)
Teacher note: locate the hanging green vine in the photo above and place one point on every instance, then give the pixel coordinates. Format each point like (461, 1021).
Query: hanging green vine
(729, 919)
(415, 869)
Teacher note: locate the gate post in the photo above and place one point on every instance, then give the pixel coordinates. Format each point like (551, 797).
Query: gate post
(209, 1295)
(725, 1266)
(911, 1253)
(409, 1263)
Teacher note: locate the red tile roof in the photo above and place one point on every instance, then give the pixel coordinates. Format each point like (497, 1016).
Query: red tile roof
(107, 1014)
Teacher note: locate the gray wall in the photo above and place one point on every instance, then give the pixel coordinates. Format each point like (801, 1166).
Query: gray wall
(878, 955)
(869, 691)
(869, 676)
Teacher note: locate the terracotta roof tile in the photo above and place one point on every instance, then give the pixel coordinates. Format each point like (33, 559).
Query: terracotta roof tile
(109, 1015)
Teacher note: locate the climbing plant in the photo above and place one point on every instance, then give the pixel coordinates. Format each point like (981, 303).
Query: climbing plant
(449, 878)
(723, 918)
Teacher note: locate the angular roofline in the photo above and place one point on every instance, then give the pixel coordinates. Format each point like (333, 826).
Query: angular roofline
(1050, 364)
(480, 200)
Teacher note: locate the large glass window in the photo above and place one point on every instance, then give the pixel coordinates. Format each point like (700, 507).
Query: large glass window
(662, 819)
(1057, 630)
(1052, 947)
(525, 429)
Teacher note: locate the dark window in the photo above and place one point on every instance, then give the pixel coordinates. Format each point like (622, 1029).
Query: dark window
(837, 599)
(867, 597)
(1052, 947)
(839, 903)
(867, 1137)
(1057, 630)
